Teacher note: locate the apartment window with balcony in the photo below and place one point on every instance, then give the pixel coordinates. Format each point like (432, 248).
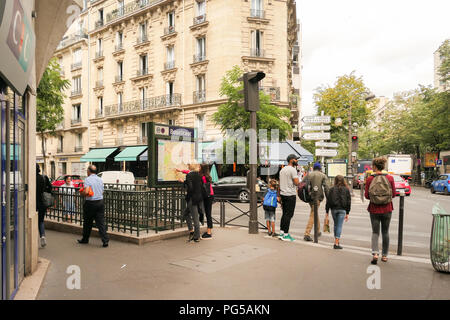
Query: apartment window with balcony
(100, 20)
(119, 101)
(100, 106)
(119, 77)
(142, 32)
(79, 143)
(171, 19)
(76, 86)
(61, 144)
(169, 93)
(99, 82)
(257, 43)
(170, 58)
(142, 97)
(143, 65)
(143, 133)
(119, 40)
(120, 8)
(201, 12)
(201, 50)
(200, 124)
(76, 58)
(76, 113)
(199, 95)
(257, 9)
(99, 52)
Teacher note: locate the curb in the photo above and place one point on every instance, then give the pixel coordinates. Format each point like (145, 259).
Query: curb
(31, 285)
(120, 236)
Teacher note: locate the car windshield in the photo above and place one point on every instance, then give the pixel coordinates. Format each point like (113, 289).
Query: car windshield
(75, 177)
(398, 179)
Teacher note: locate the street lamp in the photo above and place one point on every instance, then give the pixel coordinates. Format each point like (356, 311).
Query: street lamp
(369, 96)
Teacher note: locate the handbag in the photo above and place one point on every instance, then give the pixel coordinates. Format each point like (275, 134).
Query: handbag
(47, 199)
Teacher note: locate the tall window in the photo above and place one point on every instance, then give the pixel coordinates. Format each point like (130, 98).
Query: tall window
(119, 101)
(171, 20)
(200, 124)
(169, 93)
(61, 144)
(143, 32)
(76, 85)
(100, 105)
(100, 135)
(100, 16)
(120, 134)
(119, 71)
(99, 47)
(170, 57)
(76, 113)
(143, 64)
(257, 43)
(142, 97)
(143, 132)
(257, 9)
(99, 77)
(120, 7)
(201, 7)
(76, 56)
(79, 142)
(201, 49)
(119, 40)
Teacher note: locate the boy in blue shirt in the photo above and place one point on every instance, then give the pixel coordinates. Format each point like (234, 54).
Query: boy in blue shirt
(270, 205)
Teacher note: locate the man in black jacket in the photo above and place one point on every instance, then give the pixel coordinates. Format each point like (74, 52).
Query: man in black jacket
(194, 200)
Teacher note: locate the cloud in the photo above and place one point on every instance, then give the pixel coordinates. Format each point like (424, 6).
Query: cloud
(389, 43)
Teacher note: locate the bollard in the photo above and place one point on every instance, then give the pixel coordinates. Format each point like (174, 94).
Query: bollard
(362, 189)
(316, 222)
(400, 223)
(222, 214)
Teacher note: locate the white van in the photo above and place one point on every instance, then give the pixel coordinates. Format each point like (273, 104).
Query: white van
(120, 177)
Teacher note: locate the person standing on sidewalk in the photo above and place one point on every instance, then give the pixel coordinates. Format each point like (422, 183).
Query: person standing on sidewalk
(380, 190)
(288, 194)
(319, 189)
(270, 206)
(94, 207)
(339, 201)
(208, 199)
(194, 198)
(42, 185)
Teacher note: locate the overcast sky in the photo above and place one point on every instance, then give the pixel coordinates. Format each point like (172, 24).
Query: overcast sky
(388, 42)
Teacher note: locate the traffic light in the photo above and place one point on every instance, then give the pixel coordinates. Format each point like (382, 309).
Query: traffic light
(354, 143)
(251, 90)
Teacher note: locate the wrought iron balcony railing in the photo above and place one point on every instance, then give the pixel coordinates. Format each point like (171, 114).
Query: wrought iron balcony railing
(59, 150)
(200, 19)
(68, 40)
(75, 121)
(99, 114)
(199, 57)
(118, 47)
(199, 96)
(78, 148)
(99, 23)
(75, 92)
(118, 78)
(129, 8)
(99, 83)
(169, 30)
(99, 54)
(76, 65)
(142, 39)
(257, 52)
(142, 72)
(169, 65)
(148, 104)
(256, 13)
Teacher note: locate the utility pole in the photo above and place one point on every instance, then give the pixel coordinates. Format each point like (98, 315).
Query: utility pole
(251, 104)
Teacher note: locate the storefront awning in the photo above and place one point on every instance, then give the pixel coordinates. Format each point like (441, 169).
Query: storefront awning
(144, 156)
(130, 153)
(278, 152)
(97, 155)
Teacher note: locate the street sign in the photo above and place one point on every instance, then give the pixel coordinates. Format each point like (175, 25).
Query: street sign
(316, 128)
(317, 136)
(326, 153)
(439, 162)
(327, 144)
(317, 119)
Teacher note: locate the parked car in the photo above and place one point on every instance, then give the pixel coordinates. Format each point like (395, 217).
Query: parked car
(76, 179)
(235, 188)
(358, 181)
(442, 184)
(117, 177)
(401, 184)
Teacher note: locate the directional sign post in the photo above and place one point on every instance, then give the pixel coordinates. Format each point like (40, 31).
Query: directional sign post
(317, 119)
(326, 153)
(327, 144)
(317, 136)
(316, 128)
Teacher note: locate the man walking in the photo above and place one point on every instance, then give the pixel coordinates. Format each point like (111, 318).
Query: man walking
(94, 207)
(288, 193)
(319, 189)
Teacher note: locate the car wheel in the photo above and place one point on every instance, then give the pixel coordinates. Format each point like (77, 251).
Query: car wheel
(446, 192)
(432, 190)
(243, 196)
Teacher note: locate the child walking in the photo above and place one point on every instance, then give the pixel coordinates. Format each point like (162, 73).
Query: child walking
(270, 206)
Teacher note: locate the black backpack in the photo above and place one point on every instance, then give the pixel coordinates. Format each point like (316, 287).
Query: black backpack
(304, 190)
(206, 190)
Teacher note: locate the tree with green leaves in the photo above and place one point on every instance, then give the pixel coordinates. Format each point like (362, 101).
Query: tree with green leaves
(335, 101)
(50, 99)
(444, 53)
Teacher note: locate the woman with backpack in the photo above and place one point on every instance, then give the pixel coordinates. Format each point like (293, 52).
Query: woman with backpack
(208, 198)
(380, 190)
(339, 201)
(43, 186)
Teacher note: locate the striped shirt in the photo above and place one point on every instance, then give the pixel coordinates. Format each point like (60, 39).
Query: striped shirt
(96, 184)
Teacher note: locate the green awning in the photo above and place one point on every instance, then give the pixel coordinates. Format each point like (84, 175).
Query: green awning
(130, 153)
(97, 155)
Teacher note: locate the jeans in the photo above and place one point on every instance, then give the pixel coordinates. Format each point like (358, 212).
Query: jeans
(288, 207)
(41, 216)
(310, 224)
(191, 214)
(384, 219)
(269, 215)
(94, 210)
(338, 219)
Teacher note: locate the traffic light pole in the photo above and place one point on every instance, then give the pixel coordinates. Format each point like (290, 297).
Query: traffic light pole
(253, 222)
(349, 165)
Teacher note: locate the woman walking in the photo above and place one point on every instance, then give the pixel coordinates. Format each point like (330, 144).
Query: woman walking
(339, 201)
(42, 185)
(194, 198)
(208, 199)
(69, 201)
(380, 190)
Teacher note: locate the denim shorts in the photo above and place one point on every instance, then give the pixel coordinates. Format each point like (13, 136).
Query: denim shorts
(269, 215)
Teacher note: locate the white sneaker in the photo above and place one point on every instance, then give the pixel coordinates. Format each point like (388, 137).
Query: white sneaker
(43, 242)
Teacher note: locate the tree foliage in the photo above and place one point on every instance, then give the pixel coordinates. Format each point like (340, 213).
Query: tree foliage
(444, 69)
(232, 116)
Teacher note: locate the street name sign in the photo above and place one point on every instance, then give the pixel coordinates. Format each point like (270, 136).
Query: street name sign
(316, 128)
(327, 144)
(317, 136)
(326, 153)
(317, 119)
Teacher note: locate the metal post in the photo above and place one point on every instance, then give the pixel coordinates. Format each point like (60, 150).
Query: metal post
(316, 221)
(253, 222)
(400, 224)
(8, 243)
(349, 165)
(362, 189)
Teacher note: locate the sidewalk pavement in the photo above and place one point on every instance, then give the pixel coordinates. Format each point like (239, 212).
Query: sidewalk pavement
(232, 265)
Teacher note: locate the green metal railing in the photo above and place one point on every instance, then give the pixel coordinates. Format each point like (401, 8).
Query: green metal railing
(130, 209)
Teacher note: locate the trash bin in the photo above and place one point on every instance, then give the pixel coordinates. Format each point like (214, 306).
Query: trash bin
(440, 240)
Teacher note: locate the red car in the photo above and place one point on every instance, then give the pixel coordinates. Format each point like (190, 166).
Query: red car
(76, 180)
(401, 184)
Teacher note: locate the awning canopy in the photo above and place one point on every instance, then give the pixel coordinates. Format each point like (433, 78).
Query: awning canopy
(144, 156)
(97, 155)
(130, 153)
(278, 152)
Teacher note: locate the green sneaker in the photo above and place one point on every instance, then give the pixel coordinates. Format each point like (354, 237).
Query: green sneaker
(288, 237)
(281, 235)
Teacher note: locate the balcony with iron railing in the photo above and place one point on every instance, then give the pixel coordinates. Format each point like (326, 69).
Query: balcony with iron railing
(139, 106)
(99, 113)
(76, 92)
(142, 72)
(78, 148)
(169, 30)
(199, 19)
(199, 57)
(199, 96)
(118, 47)
(75, 121)
(169, 65)
(59, 149)
(257, 52)
(99, 54)
(273, 92)
(118, 78)
(142, 39)
(71, 39)
(256, 13)
(134, 6)
(99, 23)
(76, 65)
(98, 84)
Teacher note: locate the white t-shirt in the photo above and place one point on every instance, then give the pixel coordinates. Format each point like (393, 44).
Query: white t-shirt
(287, 186)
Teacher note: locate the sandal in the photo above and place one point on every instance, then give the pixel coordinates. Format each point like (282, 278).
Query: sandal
(374, 259)
(384, 259)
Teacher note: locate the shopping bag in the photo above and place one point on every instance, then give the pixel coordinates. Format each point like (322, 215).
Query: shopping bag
(326, 225)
